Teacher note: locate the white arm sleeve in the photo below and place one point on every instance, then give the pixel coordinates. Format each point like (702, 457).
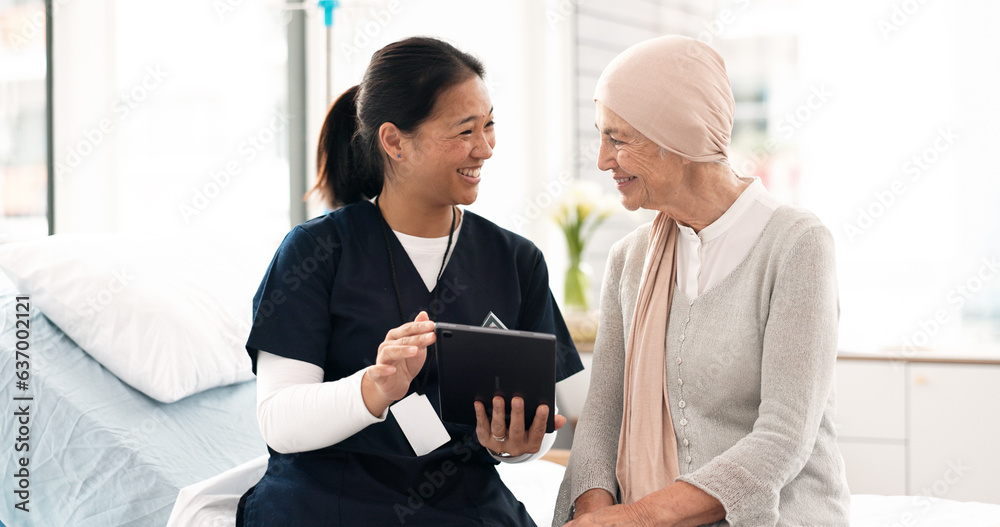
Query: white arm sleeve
(547, 442)
(298, 412)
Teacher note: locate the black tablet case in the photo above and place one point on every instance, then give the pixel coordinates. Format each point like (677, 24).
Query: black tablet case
(476, 364)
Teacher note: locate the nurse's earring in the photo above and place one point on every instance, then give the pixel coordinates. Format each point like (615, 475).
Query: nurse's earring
(399, 156)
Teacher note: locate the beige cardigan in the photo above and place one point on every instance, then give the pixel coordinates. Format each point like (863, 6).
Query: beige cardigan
(750, 377)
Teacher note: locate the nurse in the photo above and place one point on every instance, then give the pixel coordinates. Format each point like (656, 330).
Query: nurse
(343, 320)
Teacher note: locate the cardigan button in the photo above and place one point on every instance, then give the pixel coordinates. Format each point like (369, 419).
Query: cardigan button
(684, 422)
(686, 443)
(681, 404)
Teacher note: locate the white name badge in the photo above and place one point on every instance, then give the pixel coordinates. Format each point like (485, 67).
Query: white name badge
(420, 423)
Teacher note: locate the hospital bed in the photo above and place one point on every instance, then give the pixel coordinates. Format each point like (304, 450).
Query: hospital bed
(106, 453)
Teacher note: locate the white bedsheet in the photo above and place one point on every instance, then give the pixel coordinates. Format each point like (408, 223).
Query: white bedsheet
(869, 510)
(212, 503)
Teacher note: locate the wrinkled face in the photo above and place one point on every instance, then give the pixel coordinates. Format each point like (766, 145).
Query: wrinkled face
(446, 152)
(643, 176)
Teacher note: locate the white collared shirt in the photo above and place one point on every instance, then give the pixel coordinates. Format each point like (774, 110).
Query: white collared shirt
(707, 257)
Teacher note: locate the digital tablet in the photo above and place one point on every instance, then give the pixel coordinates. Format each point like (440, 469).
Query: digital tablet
(476, 364)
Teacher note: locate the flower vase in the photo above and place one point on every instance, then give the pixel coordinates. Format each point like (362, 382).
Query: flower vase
(576, 287)
(581, 322)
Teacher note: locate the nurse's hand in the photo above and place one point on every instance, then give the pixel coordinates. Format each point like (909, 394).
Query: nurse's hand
(400, 358)
(517, 440)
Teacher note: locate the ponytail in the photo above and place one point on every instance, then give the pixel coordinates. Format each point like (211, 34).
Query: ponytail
(345, 172)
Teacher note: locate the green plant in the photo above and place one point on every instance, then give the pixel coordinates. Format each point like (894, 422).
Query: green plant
(580, 211)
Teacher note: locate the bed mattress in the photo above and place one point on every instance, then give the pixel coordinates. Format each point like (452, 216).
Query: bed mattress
(99, 452)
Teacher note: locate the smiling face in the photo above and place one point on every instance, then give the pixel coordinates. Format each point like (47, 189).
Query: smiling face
(643, 176)
(442, 159)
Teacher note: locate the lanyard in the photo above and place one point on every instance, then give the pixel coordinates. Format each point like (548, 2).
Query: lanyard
(422, 382)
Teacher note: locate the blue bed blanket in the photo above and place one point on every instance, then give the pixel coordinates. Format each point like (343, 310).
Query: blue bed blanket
(99, 452)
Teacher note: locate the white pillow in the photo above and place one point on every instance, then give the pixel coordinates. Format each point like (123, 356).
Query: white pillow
(170, 317)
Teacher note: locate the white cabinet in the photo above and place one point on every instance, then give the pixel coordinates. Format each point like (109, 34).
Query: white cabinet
(954, 431)
(871, 425)
(878, 388)
(874, 468)
(920, 428)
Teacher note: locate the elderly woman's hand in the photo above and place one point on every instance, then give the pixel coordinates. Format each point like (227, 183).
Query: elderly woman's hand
(679, 504)
(593, 500)
(515, 441)
(632, 515)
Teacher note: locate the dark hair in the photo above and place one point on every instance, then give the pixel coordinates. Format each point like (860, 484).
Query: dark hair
(400, 86)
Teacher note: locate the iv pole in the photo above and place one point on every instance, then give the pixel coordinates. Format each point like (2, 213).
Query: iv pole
(297, 101)
(328, 6)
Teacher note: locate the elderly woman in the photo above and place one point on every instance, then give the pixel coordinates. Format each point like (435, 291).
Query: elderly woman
(711, 398)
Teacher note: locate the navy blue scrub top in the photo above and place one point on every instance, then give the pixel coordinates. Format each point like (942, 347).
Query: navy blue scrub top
(328, 299)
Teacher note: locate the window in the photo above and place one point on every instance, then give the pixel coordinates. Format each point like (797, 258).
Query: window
(880, 118)
(171, 119)
(880, 121)
(23, 120)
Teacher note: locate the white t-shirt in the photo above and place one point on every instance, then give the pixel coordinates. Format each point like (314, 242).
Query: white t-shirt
(425, 253)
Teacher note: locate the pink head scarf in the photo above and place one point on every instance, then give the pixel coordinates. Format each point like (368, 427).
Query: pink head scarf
(675, 91)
